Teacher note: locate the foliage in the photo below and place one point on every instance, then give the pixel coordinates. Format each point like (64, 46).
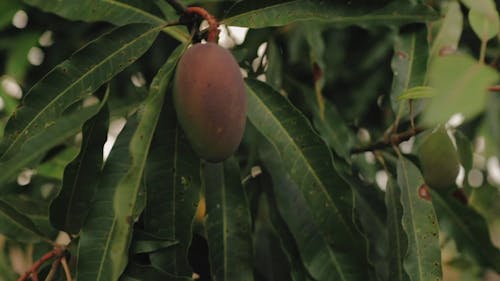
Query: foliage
(326, 184)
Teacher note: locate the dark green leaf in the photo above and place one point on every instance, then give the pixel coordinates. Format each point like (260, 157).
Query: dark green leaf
(120, 195)
(172, 179)
(467, 228)
(397, 13)
(69, 209)
(38, 145)
(409, 66)
(227, 223)
(17, 226)
(320, 260)
(309, 162)
(398, 242)
(422, 261)
(74, 79)
(136, 272)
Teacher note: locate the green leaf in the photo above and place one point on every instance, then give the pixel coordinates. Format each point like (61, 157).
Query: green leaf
(7, 11)
(450, 30)
(113, 11)
(422, 261)
(17, 226)
(409, 66)
(321, 261)
(69, 209)
(17, 64)
(309, 162)
(38, 145)
(398, 242)
(461, 85)
(143, 242)
(421, 92)
(172, 179)
(120, 195)
(397, 13)
(79, 76)
(136, 272)
(486, 27)
(116, 12)
(467, 228)
(54, 168)
(228, 224)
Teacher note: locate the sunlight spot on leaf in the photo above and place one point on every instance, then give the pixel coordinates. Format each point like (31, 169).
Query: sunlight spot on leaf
(479, 144)
(24, 178)
(35, 56)
(363, 135)
(20, 19)
(46, 190)
(461, 176)
(115, 128)
(90, 101)
(455, 120)
(231, 36)
(11, 87)
(138, 79)
(407, 146)
(262, 77)
(46, 39)
(476, 178)
(381, 178)
(493, 166)
(369, 157)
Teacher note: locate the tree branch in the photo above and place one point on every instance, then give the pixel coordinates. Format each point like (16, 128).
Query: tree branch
(33, 272)
(393, 139)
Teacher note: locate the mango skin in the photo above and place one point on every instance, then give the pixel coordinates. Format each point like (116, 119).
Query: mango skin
(439, 159)
(210, 101)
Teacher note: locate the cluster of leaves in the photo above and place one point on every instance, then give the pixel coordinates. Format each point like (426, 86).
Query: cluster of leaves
(316, 212)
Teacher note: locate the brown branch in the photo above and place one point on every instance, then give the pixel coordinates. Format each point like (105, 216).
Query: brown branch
(33, 272)
(494, 88)
(392, 140)
(67, 272)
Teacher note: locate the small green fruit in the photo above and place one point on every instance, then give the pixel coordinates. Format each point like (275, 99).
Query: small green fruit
(439, 159)
(210, 101)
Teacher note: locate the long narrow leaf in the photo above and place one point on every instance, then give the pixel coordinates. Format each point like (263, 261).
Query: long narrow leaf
(309, 162)
(467, 228)
(102, 251)
(172, 179)
(39, 144)
(74, 79)
(17, 226)
(81, 176)
(227, 223)
(397, 241)
(318, 258)
(397, 13)
(422, 261)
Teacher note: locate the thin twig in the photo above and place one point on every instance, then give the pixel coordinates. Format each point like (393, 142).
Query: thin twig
(495, 88)
(67, 272)
(392, 140)
(56, 252)
(53, 270)
(178, 6)
(412, 116)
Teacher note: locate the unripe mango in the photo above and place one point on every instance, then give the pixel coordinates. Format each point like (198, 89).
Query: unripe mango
(439, 159)
(210, 101)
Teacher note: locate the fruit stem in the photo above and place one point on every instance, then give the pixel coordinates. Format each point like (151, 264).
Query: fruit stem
(212, 22)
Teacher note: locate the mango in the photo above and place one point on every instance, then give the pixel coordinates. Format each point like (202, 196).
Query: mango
(439, 160)
(210, 101)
